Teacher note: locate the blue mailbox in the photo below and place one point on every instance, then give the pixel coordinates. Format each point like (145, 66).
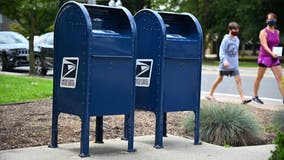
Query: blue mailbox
(168, 66)
(94, 67)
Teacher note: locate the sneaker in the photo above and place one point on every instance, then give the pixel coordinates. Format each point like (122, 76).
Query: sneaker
(210, 98)
(257, 100)
(246, 101)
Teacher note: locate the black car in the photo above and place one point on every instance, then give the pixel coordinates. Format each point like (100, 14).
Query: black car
(13, 50)
(43, 49)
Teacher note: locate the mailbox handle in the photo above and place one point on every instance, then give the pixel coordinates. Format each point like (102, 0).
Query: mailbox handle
(111, 56)
(182, 58)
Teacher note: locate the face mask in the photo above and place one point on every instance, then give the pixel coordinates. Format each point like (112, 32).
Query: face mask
(234, 33)
(271, 23)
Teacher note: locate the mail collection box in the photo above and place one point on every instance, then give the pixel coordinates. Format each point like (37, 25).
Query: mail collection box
(94, 67)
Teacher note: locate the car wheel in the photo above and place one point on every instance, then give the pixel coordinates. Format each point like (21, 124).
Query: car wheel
(3, 64)
(39, 68)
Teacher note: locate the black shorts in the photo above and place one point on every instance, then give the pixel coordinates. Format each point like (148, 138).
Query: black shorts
(264, 66)
(229, 73)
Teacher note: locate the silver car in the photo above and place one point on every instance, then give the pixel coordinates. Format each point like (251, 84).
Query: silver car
(14, 50)
(43, 49)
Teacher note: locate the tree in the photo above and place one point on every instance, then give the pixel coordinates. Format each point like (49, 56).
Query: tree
(34, 17)
(199, 8)
(252, 15)
(214, 15)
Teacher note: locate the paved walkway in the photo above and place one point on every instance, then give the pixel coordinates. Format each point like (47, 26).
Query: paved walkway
(176, 148)
(273, 105)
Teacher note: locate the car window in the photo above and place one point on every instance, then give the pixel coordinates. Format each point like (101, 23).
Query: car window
(10, 38)
(45, 39)
(49, 40)
(40, 40)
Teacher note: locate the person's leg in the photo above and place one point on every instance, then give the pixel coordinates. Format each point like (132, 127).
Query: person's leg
(277, 71)
(260, 72)
(238, 80)
(239, 87)
(218, 80)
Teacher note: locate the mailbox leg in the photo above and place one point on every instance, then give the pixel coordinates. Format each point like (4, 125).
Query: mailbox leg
(99, 129)
(54, 136)
(165, 125)
(126, 124)
(196, 128)
(130, 131)
(84, 148)
(159, 130)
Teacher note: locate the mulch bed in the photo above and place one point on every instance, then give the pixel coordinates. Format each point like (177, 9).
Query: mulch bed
(29, 124)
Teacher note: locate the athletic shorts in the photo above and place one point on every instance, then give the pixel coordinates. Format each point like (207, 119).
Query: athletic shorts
(268, 61)
(263, 65)
(229, 73)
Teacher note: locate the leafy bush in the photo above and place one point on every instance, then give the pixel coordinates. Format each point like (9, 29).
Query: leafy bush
(226, 124)
(278, 154)
(278, 120)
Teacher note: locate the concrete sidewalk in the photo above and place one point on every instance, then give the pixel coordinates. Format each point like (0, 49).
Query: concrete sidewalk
(175, 148)
(269, 104)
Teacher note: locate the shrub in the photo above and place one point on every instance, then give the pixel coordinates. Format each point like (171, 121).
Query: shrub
(226, 124)
(278, 120)
(278, 153)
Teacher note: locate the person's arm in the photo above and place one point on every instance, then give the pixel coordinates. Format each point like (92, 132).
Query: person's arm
(222, 53)
(263, 42)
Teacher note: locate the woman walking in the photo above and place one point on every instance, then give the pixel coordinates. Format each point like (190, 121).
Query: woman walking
(269, 37)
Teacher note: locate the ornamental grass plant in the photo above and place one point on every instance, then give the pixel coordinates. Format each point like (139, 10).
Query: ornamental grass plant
(278, 120)
(226, 124)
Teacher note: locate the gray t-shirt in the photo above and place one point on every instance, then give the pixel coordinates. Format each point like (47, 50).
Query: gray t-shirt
(229, 52)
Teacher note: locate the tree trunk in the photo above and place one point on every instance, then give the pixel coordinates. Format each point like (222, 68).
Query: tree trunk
(254, 49)
(148, 4)
(217, 45)
(31, 54)
(31, 45)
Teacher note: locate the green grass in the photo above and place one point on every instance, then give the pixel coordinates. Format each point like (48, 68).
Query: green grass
(241, 64)
(247, 64)
(15, 89)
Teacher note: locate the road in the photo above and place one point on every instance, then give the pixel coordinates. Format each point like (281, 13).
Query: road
(25, 70)
(268, 86)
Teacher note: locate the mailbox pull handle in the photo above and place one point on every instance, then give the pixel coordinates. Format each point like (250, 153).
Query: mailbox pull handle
(181, 58)
(111, 56)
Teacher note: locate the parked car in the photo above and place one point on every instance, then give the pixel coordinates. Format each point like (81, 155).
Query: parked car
(43, 49)
(14, 49)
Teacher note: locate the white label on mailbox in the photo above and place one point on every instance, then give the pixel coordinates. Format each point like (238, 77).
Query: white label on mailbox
(69, 72)
(143, 72)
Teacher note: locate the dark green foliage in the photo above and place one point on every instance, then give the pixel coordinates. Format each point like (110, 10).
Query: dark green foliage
(278, 120)
(33, 17)
(215, 15)
(278, 154)
(226, 124)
